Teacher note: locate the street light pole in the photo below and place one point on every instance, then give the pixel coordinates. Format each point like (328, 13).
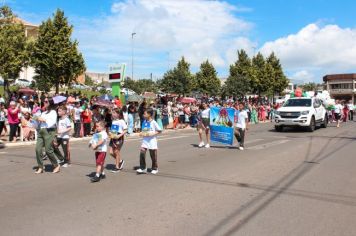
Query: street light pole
(132, 55)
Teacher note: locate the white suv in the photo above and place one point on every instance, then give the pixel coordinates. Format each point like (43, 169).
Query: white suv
(301, 112)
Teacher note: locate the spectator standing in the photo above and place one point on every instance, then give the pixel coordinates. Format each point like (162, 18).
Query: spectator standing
(13, 119)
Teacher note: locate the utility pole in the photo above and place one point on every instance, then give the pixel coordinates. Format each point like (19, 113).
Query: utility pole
(132, 54)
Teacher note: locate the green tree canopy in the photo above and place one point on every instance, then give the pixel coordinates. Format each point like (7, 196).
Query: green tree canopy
(206, 79)
(13, 47)
(278, 81)
(56, 58)
(238, 83)
(179, 80)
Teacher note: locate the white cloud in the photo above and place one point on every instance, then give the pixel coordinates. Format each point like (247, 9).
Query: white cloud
(197, 29)
(316, 50)
(302, 76)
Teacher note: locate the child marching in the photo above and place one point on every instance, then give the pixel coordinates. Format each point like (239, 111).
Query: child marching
(150, 130)
(63, 129)
(117, 135)
(98, 144)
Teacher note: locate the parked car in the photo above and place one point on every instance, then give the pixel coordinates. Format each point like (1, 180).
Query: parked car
(22, 82)
(80, 86)
(127, 91)
(1, 82)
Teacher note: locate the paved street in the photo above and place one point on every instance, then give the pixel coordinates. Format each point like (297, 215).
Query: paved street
(290, 183)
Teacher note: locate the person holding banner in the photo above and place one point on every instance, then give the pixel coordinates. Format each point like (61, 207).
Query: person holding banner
(241, 125)
(204, 124)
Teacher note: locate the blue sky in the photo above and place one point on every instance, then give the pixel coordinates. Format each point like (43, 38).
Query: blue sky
(311, 37)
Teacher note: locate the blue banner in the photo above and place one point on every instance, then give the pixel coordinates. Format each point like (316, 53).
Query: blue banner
(222, 125)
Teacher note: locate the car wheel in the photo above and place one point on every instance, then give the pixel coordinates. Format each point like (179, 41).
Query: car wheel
(325, 122)
(278, 128)
(311, 127)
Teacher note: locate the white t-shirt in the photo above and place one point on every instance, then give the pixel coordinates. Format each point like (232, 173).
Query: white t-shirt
(241, 119)
(338, 108)
(77, 113)
(350, 106)
(151, 141)
(205, 114)
(50, 118)
(118, 126)
(98, 137)
(2, 115)
(64, 124)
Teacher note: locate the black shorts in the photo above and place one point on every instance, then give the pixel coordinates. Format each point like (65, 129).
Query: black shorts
(337, 116)
(182, 119)
(116, 143)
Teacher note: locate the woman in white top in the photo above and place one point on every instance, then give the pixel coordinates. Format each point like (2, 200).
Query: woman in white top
(204, 124)
(47, 122)
(337, 113)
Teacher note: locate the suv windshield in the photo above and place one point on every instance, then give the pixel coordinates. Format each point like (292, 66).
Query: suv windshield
(298, 103)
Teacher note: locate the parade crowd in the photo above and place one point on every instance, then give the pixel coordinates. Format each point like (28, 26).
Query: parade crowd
(52, 121)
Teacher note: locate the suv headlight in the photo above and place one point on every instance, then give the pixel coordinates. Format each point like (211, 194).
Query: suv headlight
(305, 112)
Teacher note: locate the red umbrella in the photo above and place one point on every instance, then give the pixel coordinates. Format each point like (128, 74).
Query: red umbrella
(188, 100)
(104, 103)
(27, 91)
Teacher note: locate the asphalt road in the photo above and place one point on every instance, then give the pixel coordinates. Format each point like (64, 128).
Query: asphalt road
(290, 183)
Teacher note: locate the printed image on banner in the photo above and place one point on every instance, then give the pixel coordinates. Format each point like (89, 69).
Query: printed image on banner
(222, 125)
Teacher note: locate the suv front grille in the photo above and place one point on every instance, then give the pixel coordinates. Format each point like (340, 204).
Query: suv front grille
(289, 115)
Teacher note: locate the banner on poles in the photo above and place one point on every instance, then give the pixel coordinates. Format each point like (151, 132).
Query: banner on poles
(222, 125)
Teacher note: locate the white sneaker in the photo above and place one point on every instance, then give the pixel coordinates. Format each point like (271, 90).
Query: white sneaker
(154, 172)
(207, 145)
(140, 171)
(201, 144)
(65, 165)
(241, 148)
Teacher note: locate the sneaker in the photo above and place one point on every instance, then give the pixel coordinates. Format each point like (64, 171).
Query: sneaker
(115, 170)
(140, 171)
(207, 146)
(201, 144)
(60, 162)
(154, 172)
(65, 165)
(121, 164)
(102, 176)
(95, 179)
(241, 148)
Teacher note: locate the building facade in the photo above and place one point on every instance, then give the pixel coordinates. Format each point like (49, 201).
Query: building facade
(341, 86)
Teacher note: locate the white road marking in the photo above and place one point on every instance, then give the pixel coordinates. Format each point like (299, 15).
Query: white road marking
(267, 145)
(3, 152)
(254, 140)
(161, 139)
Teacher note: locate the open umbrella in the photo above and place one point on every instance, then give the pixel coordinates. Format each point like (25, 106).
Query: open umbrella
(59, 99)
(106, 97)
(149, 95)
(134, 98)
(27, 91)
(71, 100)
(188, 100)
(104, 103)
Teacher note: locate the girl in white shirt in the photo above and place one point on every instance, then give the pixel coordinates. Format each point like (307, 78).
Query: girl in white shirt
(150, 130)
(117, 134)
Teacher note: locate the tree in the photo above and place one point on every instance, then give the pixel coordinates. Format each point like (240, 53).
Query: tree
(56, 57)
(13, 47)
(206, 79)
(238, 83)
(309, 86)
(141, 86)
(259, 82)
(279, 81)
(88, 80)
(179, 80)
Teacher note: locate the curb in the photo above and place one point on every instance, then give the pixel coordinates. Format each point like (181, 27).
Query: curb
(31, 143)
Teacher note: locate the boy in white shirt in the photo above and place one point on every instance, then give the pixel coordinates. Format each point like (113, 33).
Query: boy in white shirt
(63, 129)
(98, 143)
(150, 130)
(241, 125)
